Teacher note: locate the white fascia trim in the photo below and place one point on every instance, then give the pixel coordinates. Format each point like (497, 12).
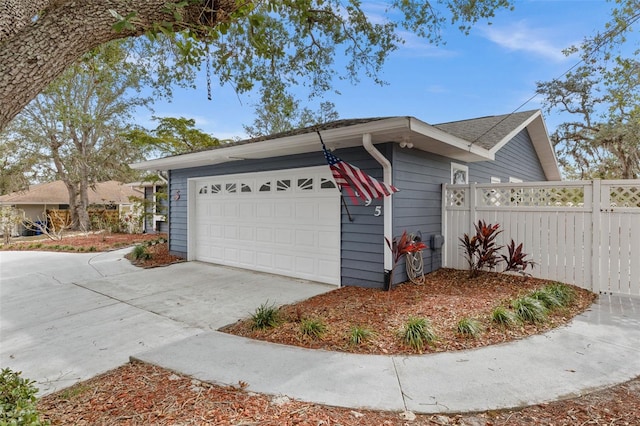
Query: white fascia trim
(454, 141)
(307, 142)
(543, 146)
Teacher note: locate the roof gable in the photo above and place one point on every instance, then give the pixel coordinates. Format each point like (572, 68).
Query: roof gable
(488, 132)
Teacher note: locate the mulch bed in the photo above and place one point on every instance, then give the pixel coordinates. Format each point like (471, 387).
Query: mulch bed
(446, 297)
(142, 394)
(83, 242)
(160, 256)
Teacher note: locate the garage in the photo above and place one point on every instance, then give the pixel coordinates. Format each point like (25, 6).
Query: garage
(284, 222)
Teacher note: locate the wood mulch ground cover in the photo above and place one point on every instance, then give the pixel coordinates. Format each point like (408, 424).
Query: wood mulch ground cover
(446, 297)
(81, 242)
(159, 256)
(142, 394)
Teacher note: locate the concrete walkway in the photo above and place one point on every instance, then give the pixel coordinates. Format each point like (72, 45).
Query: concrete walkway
(597, 349)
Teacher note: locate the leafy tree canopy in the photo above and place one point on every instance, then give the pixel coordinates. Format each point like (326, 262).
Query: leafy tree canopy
(280, 112)
(173, 136)
(73, 131)
(241, 43)
(601, 95)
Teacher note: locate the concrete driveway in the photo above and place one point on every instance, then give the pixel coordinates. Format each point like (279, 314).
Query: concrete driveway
(67, 317)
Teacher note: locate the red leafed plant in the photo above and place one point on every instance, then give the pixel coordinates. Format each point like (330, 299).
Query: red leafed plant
(400, 247)
(516, 261)
(481, 249)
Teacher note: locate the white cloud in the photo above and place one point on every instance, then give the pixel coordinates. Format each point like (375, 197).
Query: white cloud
(415, 46)
(519, 36)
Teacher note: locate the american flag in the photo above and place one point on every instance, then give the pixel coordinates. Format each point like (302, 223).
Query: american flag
(357, 183)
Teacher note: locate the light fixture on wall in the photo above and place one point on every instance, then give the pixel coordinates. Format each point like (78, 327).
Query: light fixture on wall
(405, 143)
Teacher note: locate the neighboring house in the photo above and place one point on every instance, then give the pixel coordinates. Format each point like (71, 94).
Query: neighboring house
(270, 204)
(53, 196)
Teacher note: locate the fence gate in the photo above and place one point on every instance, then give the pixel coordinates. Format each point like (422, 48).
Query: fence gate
(583, 233)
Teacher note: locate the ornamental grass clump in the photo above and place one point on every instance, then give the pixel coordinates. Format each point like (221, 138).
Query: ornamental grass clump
(358, 335)
(469, 327)
(548, 298)
(564, 293)
(530, 310)
(418, 333)
(139, 252)
(313, 328)
(265, 316)
(504, 317)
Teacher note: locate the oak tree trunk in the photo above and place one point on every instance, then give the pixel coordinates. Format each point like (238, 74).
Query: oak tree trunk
(40, 38)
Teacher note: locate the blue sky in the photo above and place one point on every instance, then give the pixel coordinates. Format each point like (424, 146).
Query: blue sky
(491, 71)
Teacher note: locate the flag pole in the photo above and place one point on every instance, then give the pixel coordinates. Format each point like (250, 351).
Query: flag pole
(345, 207)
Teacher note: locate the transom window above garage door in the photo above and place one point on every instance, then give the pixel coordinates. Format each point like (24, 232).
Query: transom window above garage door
(268, 184)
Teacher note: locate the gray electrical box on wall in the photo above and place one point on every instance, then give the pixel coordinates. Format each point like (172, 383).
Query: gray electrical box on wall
(436, 242)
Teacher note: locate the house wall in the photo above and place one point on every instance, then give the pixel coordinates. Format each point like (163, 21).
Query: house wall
(362, 242)
(517, 159)
(418, 205)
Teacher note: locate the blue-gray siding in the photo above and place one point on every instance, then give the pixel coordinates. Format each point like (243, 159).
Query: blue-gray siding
(418, 205)
(516, 159)
(362, 241)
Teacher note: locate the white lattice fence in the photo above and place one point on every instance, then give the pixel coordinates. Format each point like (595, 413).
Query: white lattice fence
(584, 233)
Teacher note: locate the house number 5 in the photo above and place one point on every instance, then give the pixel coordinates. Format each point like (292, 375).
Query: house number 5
(377, 211)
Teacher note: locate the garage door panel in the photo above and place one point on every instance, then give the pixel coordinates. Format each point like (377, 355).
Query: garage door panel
(283, 236)
(305, 265)
(230, 209)
(231, 232)
(264, 235)
(246, 210)
(327, 212)
(305, 238)
(247, 258)
(328, 240)
(283, 211)
(231, 255)
(246, 233)
(281, 222)
(305, 212)
(264, 209)
(284, 263)
(264, 260)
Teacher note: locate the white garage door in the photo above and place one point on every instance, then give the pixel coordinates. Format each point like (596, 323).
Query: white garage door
(284, 222)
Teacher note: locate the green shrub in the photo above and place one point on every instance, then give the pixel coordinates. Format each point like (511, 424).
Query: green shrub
(140, 252)
(563, 292)
(92, 248)
(265, 316)
(503, 316)
(548, 298)
(359, 334)
(469, 327)
(313, 328)
(528, 309)
(417, 333)
(17, 400)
